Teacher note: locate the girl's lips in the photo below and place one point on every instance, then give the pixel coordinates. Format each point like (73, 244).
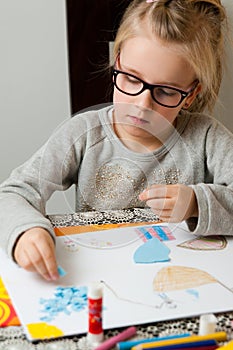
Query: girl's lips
(137, 121)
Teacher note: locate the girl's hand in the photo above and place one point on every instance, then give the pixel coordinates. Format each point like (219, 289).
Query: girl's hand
(35, 251)
(172, 203)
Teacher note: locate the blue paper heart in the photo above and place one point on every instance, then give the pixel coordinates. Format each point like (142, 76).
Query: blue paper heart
(152, 251)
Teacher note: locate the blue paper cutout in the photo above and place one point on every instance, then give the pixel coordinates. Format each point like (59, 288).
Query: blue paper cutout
(65, 300)
(61, 271)
(152, 251)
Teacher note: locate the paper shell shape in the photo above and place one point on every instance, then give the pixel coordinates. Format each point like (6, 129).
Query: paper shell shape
(205, 243)
(152, 251)
(180, 277)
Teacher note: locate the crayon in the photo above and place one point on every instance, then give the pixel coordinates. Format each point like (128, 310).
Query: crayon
(199, 345)
(127, 345)
(218, 336)
(190, 347)
(111, 342)
(208, 347)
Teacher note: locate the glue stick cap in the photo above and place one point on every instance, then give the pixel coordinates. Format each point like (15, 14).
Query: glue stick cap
(207, 324)
(95, 290)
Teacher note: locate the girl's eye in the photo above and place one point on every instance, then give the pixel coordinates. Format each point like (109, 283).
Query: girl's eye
(165, 91)
(132, 80)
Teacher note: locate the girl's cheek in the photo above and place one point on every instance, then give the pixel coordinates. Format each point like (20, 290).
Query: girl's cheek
(120, 97)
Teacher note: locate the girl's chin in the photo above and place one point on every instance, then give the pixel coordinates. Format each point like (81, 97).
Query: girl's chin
(137, 130)
(135, 126)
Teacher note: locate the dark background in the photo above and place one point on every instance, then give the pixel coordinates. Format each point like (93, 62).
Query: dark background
(91, 24)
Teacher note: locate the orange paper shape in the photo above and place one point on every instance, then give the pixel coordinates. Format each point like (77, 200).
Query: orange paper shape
(72, 230)
(8, 315)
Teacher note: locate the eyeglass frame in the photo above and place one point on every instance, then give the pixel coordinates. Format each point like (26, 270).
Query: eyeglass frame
(150, 87)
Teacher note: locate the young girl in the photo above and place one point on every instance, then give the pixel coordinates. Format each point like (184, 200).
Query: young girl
(154, 147)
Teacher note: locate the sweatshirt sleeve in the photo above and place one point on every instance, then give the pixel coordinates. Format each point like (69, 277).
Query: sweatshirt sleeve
(215, 194)
(24, 194)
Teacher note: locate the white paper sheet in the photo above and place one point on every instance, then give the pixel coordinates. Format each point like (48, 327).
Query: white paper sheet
(129, 294)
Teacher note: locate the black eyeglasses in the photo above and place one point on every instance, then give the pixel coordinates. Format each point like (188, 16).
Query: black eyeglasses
(164, 95)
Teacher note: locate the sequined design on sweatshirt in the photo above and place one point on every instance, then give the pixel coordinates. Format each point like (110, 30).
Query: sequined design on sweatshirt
(115, 187)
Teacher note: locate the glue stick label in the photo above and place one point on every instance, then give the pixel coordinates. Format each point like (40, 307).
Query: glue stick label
(95, 316)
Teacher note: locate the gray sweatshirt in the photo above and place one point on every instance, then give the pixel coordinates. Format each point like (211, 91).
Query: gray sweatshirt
(85, 151)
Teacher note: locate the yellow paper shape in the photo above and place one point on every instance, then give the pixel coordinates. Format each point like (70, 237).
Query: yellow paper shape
(42, 330)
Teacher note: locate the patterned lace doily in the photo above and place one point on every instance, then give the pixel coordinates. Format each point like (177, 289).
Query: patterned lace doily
(13, 338)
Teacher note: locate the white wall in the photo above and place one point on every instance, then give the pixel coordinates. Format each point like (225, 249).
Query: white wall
(34, 87)
(224, 109)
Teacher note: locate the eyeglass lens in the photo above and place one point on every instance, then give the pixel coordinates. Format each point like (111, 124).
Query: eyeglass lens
(133, 86)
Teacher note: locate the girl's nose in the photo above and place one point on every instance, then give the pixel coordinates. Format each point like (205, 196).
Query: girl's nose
(144, 100)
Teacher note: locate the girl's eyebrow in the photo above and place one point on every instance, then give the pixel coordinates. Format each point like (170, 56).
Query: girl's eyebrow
(131, 71)
(138, 75)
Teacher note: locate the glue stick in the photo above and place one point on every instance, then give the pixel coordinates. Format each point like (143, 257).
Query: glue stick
(95, 303)
(207, 324)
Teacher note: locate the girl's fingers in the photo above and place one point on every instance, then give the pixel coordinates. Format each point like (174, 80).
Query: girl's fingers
(171, 202)
(161, 203)
(47, 265)
(156, 191)
(35, 251)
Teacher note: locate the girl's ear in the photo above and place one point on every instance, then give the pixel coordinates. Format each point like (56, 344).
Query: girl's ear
(192, 96)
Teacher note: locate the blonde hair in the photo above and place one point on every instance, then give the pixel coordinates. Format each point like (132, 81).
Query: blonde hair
(197, 26)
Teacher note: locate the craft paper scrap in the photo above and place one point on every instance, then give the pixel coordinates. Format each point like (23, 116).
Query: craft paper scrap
(8, 315)
(65, 300)
(152, 251)
(61, 271)
(43, 330)
(163, 233)
(205, 243)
